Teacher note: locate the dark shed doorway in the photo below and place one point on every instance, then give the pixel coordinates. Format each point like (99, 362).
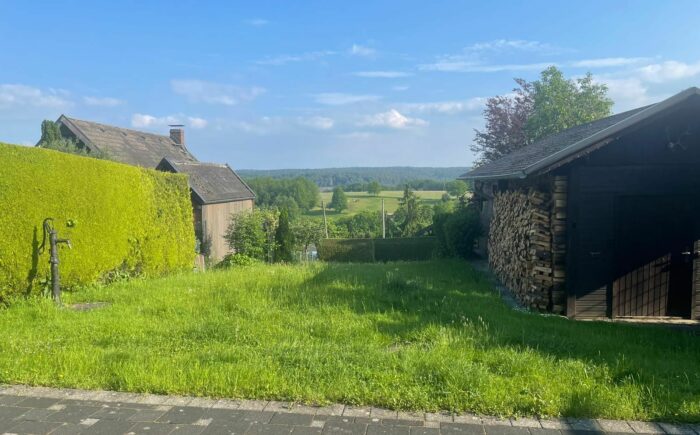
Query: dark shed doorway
(655, 255)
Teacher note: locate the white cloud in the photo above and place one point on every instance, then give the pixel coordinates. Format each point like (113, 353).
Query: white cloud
(513, 44)
(340, 99)
(16, 95)
(214, 93)
(361, 50)
(446, 107)
(608, 62)
(627, 93)
(289, 58)
(102, 101)
(317, 122)
(257, 22)
(392, 119)
(669, 70)
(140, 120)
(382, 74)
(455, 65)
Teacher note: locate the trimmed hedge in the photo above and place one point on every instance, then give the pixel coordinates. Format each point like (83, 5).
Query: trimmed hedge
(118, 217)
(371, 250)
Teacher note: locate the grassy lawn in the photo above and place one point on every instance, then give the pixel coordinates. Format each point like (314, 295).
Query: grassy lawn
(423, 336)
(362, 201)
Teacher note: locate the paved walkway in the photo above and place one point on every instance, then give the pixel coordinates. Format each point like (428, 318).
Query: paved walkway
(36, 410)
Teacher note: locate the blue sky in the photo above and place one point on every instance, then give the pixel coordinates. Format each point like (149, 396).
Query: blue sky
(294, 84)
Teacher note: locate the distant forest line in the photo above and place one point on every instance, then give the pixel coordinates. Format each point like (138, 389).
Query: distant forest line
(386, 176)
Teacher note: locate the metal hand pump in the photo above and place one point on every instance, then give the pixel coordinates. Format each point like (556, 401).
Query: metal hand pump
(54, 241)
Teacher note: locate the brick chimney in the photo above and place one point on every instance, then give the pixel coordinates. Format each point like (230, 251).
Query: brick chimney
(177, 134)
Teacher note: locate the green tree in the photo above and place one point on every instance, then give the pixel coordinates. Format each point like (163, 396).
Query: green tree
(411, 216)
(307, 232)
(289, 204)
(456, 187)
(456, 230)
(366, 224)
(339, 201)
(560, 103)
(537, 109)
(284, 239)
(252, 233)
(51, 138)
(374, 188)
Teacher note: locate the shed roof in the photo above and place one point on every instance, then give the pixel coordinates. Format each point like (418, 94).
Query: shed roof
(124, 145)
(540, 155)
(210, 182)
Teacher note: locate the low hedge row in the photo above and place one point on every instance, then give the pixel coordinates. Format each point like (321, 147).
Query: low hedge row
(371, 250)
(118, 217)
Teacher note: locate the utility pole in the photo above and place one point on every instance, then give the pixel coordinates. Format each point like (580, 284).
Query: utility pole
(325, 221)
(383, 221)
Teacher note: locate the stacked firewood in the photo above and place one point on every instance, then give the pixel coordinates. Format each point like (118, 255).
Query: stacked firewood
(559, 193)
(520, 245)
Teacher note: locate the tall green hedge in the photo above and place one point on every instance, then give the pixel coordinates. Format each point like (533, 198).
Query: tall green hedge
(371, 250)
(118, 217)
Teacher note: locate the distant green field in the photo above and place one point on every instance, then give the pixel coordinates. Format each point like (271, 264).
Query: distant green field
(361, 201)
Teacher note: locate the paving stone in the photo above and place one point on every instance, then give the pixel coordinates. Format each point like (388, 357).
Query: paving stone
(275, 406)
(6, 424)
(536, 431)
(203, 422)
(150, 428)
(375, 429)
(109, 427)
(434, 424)
(582, 424)
(226, 404)
(177, 401)
(269, 429)
(36, 415)
(68, 429)
(401, 422)
(253, 405)
(506, 430)
(146, 415)
(182, 414)
(356, 411)
(248, 417)
(37, 402)
(73, 414)
(617, 426)
(203, 402)
(230, 428)
(303, 430)
(330, 410)
(526, 422)
(461, 429)
(317, 423)
(496, 421)
(342, 428)
(677, 429)
(441, 417)
(186, 429)
(411, 415)
(558, 424)
(114, 413)
(305, 409)
(292, 419)
(645, 427)
(57, 407)
(88, 422)
(467, 418)
(152, 399)
(34, 427)
(9, 400)
(382, 413)
(417, 430)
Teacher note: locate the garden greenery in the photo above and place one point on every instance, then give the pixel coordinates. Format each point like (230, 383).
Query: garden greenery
(118, 217)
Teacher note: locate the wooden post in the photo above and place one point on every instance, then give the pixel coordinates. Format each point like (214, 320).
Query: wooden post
(325, 221)
(383, 221)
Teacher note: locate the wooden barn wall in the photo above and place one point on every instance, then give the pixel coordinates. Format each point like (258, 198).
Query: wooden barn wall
(640, 163)
(527, 243)
(215, 222)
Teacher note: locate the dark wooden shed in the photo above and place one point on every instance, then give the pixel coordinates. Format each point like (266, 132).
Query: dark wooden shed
(602, 219)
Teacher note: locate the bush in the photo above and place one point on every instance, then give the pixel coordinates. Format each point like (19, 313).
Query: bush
(233, 260)
(118, 217)
(371, 250)
(405, 249)
(346, 250)
(457, 230)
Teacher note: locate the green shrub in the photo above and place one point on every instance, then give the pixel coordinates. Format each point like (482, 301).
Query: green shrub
(456, 231)
(371, 250)
(236, 260)
(346, 250)
(118, 217)
(405, 249)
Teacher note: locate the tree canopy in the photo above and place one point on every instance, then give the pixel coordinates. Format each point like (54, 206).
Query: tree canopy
(339, 201)
(537, 109)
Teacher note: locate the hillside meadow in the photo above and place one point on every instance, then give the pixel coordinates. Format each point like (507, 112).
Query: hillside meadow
(412, 336)
(362, 201)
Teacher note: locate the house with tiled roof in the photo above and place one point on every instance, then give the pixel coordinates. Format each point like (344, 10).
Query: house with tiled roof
(216, 190)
